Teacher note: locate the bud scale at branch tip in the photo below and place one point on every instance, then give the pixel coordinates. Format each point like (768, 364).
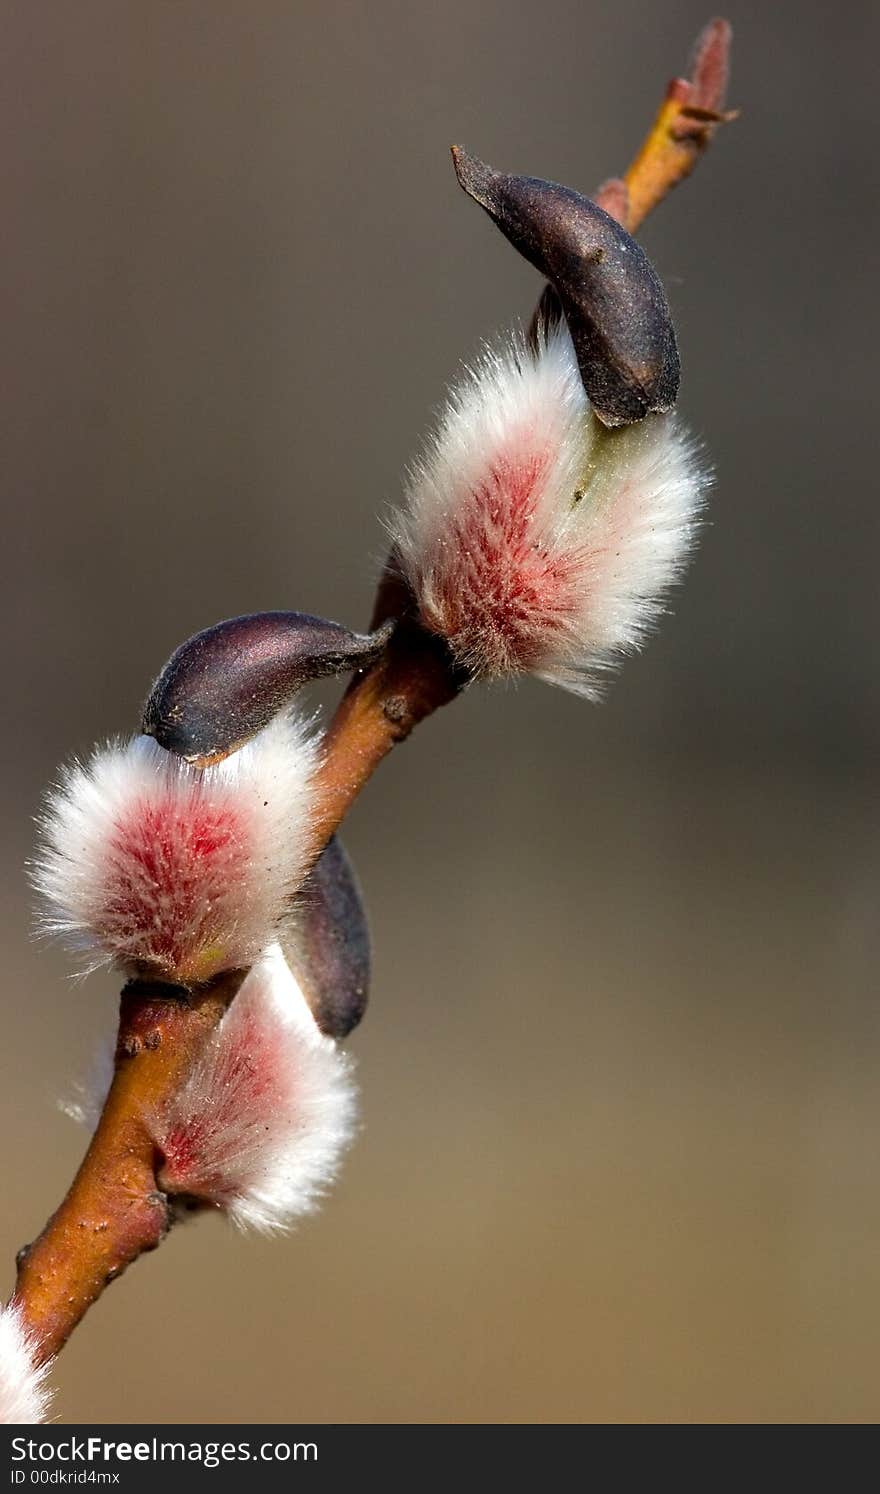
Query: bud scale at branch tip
(610, 293)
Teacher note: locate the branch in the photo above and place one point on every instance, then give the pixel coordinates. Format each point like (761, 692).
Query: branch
(686, 122)
(414, 677)
(115, 1209)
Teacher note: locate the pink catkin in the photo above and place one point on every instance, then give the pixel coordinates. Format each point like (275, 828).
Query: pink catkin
(201, 1150)
(174, 870)
(260, 1126)
(510, 596)
(533, 540)
(192, 860)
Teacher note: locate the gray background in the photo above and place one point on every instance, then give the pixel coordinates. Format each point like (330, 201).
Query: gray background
(620, 1072)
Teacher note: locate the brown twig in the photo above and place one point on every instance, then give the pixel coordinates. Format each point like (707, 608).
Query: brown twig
(685, 124)
(115, 1209)
(414, 677)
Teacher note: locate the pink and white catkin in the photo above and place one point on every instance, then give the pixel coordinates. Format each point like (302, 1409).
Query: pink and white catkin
(261, 1124)
(24, 1395)
(180, 872)
(534, 540)
(171, 870)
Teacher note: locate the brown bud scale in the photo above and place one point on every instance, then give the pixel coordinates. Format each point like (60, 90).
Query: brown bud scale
(225, 684)
(609, 291)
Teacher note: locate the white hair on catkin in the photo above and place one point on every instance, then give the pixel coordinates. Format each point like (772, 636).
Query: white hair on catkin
(183, 871)
(261, 1124)
(86, 1097)
(24, 1395)
(534, 539)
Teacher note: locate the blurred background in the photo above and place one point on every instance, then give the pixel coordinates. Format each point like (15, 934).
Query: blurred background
(621, 1070)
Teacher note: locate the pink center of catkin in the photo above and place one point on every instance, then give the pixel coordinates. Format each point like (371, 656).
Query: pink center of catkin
(211, 1149)
(502, 590)
(181, 1148)
(173, 867)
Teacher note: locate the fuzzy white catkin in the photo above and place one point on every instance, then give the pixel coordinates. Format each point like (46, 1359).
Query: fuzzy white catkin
(261, 1124)
(533, 539)
(24, 1395)
(179, 871)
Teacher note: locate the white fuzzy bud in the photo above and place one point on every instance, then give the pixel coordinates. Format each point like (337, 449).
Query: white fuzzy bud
(535, 540)
(261, 1123)
(173, 870)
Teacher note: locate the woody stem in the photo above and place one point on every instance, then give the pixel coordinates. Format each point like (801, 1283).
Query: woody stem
(115, 1210)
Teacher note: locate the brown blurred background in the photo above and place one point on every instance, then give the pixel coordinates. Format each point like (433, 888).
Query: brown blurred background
(621, 1072)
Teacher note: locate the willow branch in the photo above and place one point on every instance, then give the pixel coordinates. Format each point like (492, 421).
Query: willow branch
(115, 1209)
(414, 677)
